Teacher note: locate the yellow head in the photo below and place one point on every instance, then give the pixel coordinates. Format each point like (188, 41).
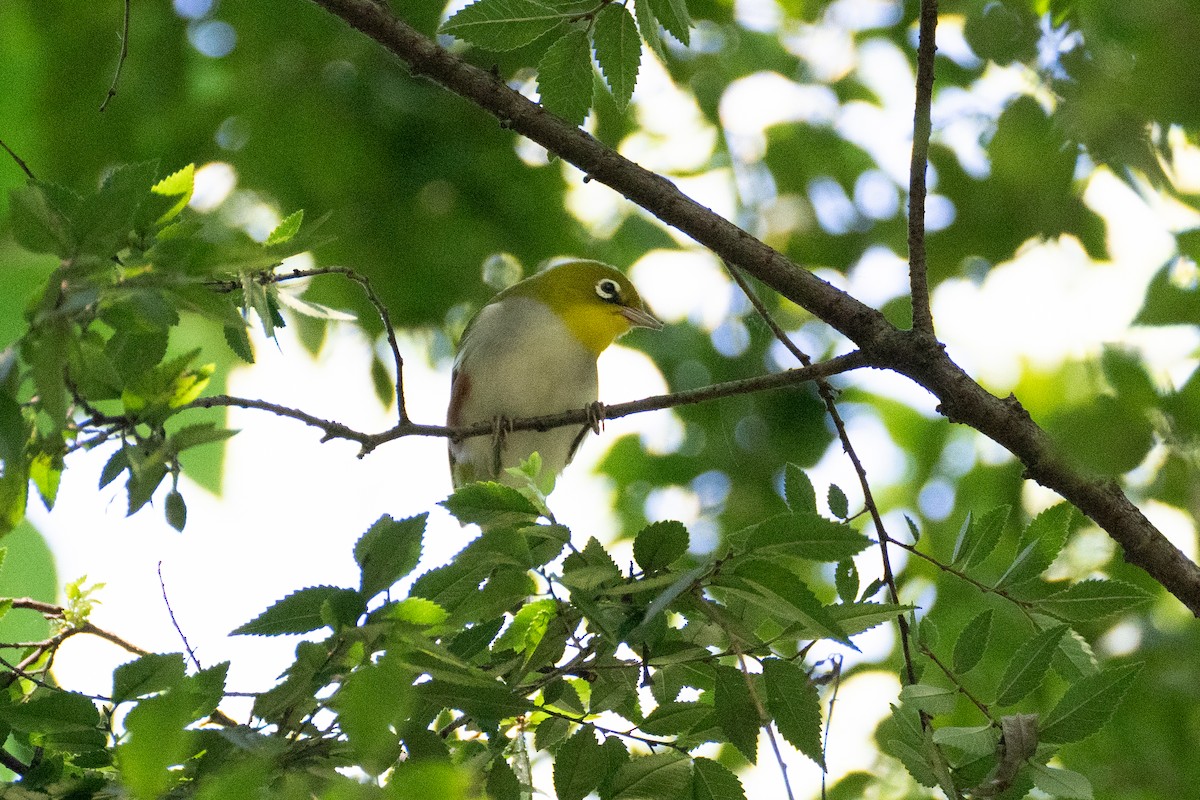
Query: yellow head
(596, 302)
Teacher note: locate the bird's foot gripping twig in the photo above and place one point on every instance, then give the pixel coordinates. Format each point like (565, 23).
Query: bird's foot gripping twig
(597, 412)
(501, 428)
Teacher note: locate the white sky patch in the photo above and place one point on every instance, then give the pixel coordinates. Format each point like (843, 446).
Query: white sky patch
(213, 183)
(684, 284)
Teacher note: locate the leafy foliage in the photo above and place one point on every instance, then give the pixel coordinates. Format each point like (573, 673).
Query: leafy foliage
(523, 647)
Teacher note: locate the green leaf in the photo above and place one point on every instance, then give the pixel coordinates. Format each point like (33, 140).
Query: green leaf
(578, 765)
(239, 342)
(975, 741)
(1094, 600)
(618, 50)
(1061, 783)
(299, 612)
(1167, 303)
(674, 718)
(798, 490)
(659, 544)
(51, 711)
(673, 15)
(654, 776)
(929, 698)
(153, 672)
(781, 592)
(502, 783)
(176, 510)
(196, 435)
(490, 505)
(180, 184)
(503, 24)
(286, 229)
(389, 550)
(550, 732)
(1028, 666)
(565, 77)
(528, 627)
(371, 703)
(648, 28)
(978, 537)
(793, 702)
(737, 715)
(971, 643)
(839, 506)
(711, 780)
(845, 578)
(157, 740)
(803, 535)
(1042, 541)
(39, 214)
(1088, 705)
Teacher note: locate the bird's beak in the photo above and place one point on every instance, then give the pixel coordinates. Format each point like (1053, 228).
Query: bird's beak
(641, 318)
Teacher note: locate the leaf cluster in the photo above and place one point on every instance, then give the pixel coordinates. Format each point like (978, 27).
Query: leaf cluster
(101, 359)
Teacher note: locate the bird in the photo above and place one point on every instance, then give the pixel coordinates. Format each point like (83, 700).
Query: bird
(532, 350)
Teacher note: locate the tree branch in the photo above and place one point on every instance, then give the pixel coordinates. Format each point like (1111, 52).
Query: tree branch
(581, 416)
(918, 166)
(916, 354)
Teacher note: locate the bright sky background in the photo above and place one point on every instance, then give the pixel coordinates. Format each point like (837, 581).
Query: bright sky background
(292, 507)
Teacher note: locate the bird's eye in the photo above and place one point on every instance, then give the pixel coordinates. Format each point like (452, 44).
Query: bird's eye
(608, 290)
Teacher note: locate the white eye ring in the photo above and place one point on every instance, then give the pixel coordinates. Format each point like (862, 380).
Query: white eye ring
(608, 290)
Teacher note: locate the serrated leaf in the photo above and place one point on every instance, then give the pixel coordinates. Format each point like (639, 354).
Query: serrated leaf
(845, 579)
(502, 783)
(839, 506)
(181, 184)
(712, 780)
(979, 536)
(286, 229)
(674, 718)
(1028, 666)
(618, 50)
(490, 505)
(653, 776)
(51, 711)
(673, 15)
(239, 342)
(299, 612)
(1041, 541)
(1060, 783)
(971, 643)
(1075, 658)
(1088, 705)
(550, 732)
(737, 715)
(503, 24)
(659, 544)
(578, 765)
(528, 627)
(389, 550)
(781, 592)
(808, 536)
(157, 739)
(1094, 600)
(793, 702)
(565, 77)
(648, 27)
(798, 490)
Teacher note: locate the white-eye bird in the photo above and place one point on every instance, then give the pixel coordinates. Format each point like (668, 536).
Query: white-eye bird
(532, 350)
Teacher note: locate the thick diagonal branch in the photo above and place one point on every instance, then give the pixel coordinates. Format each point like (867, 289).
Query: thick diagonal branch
(916, 354)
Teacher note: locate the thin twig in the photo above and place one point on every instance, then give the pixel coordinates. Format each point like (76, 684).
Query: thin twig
(112, 89)
(922, 127)
(364, 282)
(764, 719)
(171, 613)
(369, 441)
(828, 395)
(958, 685)
(20, 161)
